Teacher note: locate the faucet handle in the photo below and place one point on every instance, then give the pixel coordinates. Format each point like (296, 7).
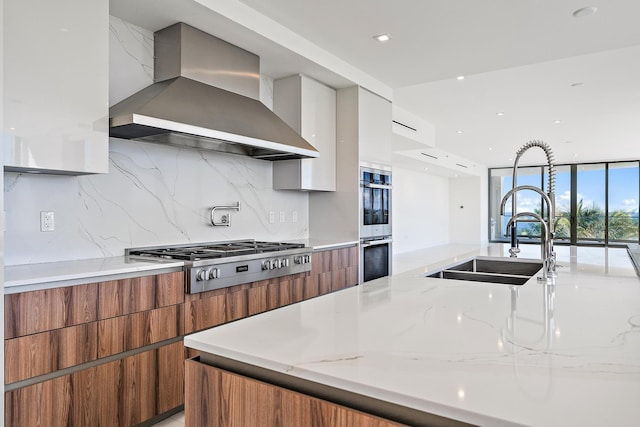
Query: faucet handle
(514, 251)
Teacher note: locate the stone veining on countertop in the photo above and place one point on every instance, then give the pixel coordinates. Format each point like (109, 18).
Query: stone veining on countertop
(530, 355)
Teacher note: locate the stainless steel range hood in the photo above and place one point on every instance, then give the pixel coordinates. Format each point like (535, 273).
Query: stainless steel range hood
(206, 96)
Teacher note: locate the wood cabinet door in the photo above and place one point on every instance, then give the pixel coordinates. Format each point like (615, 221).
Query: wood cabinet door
(218, 398)
(121, 393)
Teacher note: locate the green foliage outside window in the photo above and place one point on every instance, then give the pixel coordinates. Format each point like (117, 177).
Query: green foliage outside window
(623, 225)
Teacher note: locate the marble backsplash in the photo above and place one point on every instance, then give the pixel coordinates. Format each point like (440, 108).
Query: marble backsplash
(152, 195)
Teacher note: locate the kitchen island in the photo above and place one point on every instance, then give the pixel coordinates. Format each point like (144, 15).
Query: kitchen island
(418, 350)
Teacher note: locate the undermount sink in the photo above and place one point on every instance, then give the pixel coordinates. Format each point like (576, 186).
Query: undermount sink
(507, 271)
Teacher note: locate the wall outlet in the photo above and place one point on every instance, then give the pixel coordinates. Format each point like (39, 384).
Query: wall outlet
(282, 217)
(272, 217)
(294, 216)
(47, 221)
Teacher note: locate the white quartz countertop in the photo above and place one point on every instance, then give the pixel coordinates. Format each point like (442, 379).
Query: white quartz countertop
(324, 244)
(487, 354)
(28, 277)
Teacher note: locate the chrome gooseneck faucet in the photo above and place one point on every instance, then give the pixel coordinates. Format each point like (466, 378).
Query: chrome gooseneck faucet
(548, 254)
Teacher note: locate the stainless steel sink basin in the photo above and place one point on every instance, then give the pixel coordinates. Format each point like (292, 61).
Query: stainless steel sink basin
(506, 271)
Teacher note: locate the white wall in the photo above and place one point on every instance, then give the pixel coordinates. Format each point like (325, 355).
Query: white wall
(152, 194)
(468, 209)
(420, 210)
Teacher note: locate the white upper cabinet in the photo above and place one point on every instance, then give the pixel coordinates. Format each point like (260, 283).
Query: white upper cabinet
(374, 128)
(309, 107)
(55, 81)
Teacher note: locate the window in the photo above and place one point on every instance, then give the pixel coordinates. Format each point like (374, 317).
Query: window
(596, 203)
(623, 194)
(590, 208)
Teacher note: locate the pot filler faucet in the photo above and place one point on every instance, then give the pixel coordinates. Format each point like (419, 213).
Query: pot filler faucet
(548, 255)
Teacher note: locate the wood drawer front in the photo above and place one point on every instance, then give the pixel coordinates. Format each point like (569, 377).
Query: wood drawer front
(204, 313)
(121, 297)
(311, 287)
(170, 375)
(50, 351)
(39, 311)
(123, 333)
(120, 393)
(217, 398)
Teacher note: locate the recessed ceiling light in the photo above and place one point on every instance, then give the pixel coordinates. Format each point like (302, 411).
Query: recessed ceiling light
(460, 77)
(459, 131)
(568, 142)
(490, 148)
(585, 11)
(557, 121)
(426, 169)
(382, 37)
(500, 113)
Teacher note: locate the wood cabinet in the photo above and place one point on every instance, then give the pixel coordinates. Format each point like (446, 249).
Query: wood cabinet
(332, 270)
(124, 392)
(55, 92)
(218, 398)
(119, 341)
(55, 329)
(309, 107)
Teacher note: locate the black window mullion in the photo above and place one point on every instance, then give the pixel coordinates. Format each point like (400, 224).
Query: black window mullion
(574, 205)
(606, 204)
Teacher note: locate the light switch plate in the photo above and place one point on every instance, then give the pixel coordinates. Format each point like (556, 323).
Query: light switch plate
(272, 217)
(282, 217)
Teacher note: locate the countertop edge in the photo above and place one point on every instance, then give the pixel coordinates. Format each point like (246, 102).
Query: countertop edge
(634, 253)
(32, 277)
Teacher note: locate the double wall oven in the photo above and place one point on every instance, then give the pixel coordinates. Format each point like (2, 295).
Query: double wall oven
(375, 223)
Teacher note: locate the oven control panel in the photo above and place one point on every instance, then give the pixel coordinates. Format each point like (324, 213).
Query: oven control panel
(221, 275)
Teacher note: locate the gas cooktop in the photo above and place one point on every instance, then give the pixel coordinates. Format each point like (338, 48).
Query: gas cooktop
(212, 250)
(218, 265)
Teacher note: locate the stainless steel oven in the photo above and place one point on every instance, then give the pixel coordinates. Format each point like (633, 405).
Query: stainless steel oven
(375, 258)
(375, 223)
(375, 202)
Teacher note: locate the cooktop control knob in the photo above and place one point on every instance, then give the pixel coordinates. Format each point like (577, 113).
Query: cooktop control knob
(283, 262)
(302, 259)
(274, 264)
(214, 273)
(266, 264)
(202, 275)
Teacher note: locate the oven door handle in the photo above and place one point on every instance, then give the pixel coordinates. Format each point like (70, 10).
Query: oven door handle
(381, 186)
(368, 243)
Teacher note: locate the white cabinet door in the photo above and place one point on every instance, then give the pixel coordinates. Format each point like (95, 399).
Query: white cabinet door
(55, 100)
(309, 107)
(374, 137)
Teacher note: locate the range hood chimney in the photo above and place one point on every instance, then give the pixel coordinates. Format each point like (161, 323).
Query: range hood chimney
(206, 96)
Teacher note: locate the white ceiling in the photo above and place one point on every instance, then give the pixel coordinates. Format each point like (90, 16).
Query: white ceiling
(518, 57)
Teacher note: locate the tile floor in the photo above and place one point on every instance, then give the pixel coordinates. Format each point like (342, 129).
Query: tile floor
(176, 420)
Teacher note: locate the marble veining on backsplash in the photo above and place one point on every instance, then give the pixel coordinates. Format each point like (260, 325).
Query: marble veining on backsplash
(130, 59)
(153, 194)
